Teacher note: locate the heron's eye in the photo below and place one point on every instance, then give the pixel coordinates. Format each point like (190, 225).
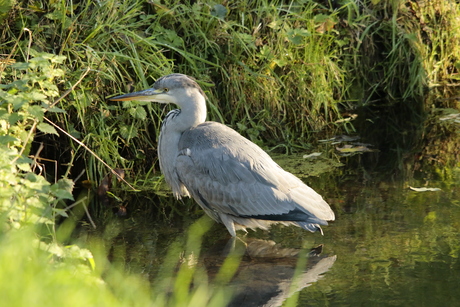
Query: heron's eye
(166, 90)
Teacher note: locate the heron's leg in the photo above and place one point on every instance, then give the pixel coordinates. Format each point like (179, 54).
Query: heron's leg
(229, 247)
(228, 222)
(234, 244)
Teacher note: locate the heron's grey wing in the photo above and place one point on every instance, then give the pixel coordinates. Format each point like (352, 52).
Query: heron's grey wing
(227, 173)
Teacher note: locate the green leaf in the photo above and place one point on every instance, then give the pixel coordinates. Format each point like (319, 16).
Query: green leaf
(5, 139)
(138, 112)
(35, 96)
(13, 118)
(430, 217)
(24, 160)
(36, 182)
(281, 62)
(36, 111)
(128, 132)
(63, 189)
(18, 102)
(20, 66)
(56, 110)
(73, 132)
(25, 167)
(129, 104)
(219, 11)
(46, 128)
(241, 127)
(61, 212)
(321, 18)
(275, 24)
(296, 36)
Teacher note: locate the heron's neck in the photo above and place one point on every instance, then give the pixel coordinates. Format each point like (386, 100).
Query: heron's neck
(193, 112)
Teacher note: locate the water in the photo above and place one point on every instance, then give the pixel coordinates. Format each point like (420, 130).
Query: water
(389, 246)
(394, 247)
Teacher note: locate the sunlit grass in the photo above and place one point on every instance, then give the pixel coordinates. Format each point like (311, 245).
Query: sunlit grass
(278, 72)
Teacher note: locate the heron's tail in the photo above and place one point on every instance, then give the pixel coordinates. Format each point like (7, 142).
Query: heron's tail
(311, 227)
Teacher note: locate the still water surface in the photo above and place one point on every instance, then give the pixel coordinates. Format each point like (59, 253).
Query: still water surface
(389, 246)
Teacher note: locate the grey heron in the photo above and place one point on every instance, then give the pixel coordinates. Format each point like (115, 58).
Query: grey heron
(231, 178)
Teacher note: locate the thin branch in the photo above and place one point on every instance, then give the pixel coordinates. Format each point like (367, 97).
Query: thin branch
(90, 151)
(89, 216)
(70, 89)
(25, 142)
(82, 201)
(30, 43)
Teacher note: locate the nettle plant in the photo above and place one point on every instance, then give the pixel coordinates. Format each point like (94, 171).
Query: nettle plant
(27, 92)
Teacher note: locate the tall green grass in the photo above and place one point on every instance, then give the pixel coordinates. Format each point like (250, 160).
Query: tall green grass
(280, 72)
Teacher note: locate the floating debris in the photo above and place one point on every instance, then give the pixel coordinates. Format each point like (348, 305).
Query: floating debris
(424, 189)
(354, 149)
(312, 155)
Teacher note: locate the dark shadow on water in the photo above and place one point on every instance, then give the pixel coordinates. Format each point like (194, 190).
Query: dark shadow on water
(268, 274)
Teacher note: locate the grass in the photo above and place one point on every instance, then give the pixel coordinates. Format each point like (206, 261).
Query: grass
(282, 73)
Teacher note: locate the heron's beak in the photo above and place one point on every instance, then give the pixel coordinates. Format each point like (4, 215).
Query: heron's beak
(145, 95)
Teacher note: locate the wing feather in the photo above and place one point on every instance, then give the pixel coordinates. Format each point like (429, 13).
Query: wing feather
(227, 173)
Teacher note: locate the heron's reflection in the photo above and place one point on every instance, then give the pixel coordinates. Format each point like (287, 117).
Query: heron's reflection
(267, 272)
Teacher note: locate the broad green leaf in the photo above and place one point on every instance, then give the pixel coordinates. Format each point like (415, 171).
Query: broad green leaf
(35, 96)
(25, 167)
(5, 139)
(13, 118)
(24, 159)
(296, 36)
(46, 128)
(138, 112)
(18, 102)
(219, 11)
(36, 111)
(128, 132)
(56, 110)
(61, 212)
(20, 66)
(36, 182)
(73, 132)
(63, 189)
(129, 104)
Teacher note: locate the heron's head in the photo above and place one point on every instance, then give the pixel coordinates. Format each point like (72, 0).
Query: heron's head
(172, 88)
